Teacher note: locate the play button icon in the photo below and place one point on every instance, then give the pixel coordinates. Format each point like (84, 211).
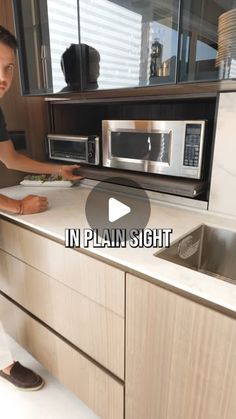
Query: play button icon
(117, 210)
(111, 205)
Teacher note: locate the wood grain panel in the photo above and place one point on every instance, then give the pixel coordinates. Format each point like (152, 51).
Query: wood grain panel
(102, 393)
(22, 113)
(98, 281)
(181, 357)
(94, 329)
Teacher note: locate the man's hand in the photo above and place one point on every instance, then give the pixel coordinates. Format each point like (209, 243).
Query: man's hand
(67, 172)
(32, 204)
(17, 161)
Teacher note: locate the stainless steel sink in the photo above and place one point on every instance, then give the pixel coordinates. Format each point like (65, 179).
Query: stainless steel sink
(207, 249)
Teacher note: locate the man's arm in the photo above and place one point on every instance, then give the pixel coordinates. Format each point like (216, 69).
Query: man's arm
(32, 203)
(28, 205)
(9, 204)
(16, 161)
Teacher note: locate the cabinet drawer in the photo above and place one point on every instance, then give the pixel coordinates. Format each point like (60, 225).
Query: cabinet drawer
(102, 393)
(95, 279)
(180, 356)
(91, 327)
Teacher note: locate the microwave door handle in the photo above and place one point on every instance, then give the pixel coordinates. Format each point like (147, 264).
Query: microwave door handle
(149, 144)
(49, 148)
(162, 148)
(86, 151)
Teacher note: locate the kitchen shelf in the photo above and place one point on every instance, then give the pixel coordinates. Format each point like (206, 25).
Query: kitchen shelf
(165, 92)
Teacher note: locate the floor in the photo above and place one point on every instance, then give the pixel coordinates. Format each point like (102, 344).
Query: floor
(54, 401)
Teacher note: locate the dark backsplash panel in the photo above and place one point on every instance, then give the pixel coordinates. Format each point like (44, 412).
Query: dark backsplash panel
(87, 119)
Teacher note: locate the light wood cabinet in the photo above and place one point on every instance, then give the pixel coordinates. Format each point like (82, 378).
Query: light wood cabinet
(101, 392)
(180, 357)
(97, 331)
(177, 360)
(75, 321)
(96, 280)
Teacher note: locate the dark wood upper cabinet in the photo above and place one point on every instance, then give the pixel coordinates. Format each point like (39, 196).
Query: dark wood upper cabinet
(88, 45)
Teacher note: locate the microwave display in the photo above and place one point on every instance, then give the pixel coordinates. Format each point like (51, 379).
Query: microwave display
(153, 146)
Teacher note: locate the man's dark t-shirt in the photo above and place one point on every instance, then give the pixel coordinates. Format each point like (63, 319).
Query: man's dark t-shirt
(3, 129)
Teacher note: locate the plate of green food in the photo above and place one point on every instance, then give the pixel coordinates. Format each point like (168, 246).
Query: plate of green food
(46, 180)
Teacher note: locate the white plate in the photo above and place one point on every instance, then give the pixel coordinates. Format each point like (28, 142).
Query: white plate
(27, 182)
(60, 183)
(63, 183)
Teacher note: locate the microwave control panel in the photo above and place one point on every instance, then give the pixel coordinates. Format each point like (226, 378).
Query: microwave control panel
(192, 144)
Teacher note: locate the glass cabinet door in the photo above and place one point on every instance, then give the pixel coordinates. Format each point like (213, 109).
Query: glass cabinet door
(67, 45)
(199, 39)
(34, 50)
(45, 29)
(131, 43)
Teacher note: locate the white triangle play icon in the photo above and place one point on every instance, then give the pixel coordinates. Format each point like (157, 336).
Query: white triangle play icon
(116, 210)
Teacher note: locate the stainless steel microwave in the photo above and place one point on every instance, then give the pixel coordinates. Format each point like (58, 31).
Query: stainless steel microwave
(172, 148)
(77, 149)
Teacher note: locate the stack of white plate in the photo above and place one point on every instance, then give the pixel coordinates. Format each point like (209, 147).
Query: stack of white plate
(226, 55)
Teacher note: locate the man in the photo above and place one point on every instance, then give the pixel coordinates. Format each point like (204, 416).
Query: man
(10, 370)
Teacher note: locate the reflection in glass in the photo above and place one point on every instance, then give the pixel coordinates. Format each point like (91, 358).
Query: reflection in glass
(45, 28)
(156, 58)
(116, 33)
(136, 41)
(80, 66)
(199, 41)
(63, 31)
(141, 145)
(126, 34)
(226, 54)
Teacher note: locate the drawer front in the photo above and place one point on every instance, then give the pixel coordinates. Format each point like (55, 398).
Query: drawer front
(95, 279)
(93, 328)
(103, 394)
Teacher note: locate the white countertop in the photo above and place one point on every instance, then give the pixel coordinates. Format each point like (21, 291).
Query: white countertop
(67, 210)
